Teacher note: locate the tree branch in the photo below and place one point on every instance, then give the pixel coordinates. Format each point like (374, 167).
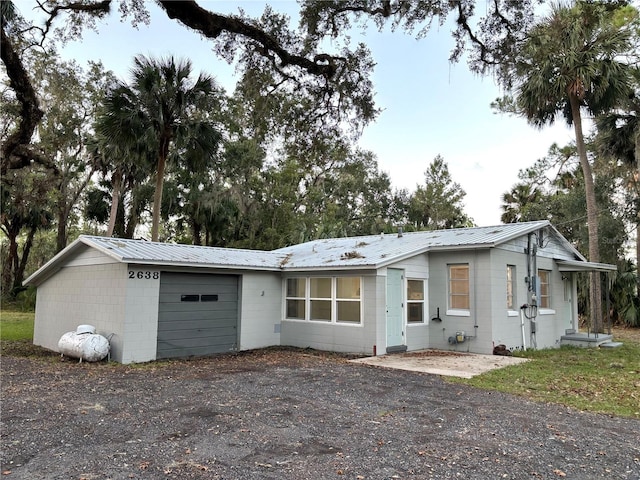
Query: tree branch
(15, 153)
(103, 6)
(463, 22)
(211, 25)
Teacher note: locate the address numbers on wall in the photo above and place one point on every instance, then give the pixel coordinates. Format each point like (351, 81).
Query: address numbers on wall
(144, 275)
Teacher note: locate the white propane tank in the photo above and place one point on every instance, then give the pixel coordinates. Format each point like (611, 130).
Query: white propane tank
(84, 344)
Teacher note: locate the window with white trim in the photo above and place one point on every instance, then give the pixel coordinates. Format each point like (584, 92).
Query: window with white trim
(544, 295)
(324, 299)
(348, 299)
(296, 298)
(320, 299)
(511, 287)
(459, 287)
(415, 301)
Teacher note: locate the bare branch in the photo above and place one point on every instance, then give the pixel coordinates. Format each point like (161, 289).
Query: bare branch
(463, 22)
(92, 8)
(211, 25)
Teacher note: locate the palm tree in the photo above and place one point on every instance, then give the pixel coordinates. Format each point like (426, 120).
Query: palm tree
(161, 110)
(517, 200)
(570, 63)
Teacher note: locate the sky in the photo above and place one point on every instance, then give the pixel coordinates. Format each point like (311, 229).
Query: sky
(429, 106)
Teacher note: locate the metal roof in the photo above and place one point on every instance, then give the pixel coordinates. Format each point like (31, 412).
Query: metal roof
(578, 266)
(375, 251)
(140, 251)
(366, 252)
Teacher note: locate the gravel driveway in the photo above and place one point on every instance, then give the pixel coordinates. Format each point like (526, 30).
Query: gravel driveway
(280, 414)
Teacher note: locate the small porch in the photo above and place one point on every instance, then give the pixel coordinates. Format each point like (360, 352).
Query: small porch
(587, 339)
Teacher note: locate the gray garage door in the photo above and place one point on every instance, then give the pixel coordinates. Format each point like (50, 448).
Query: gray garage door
(198, 314)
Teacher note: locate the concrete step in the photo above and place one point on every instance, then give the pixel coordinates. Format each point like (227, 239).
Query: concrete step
(610, 344)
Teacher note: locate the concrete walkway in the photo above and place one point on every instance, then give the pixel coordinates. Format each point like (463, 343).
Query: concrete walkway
(438, 362)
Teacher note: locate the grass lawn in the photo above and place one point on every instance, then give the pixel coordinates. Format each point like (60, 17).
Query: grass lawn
(16, 326)
(593, 379)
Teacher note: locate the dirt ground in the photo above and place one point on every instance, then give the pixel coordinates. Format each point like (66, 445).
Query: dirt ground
(289, 414)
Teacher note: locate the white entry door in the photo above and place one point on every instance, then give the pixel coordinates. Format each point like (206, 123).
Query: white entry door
(395, 309)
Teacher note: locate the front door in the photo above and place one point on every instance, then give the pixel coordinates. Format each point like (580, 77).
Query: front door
(395, 309)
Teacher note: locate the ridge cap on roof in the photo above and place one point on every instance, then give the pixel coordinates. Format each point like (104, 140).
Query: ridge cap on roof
(172, 244)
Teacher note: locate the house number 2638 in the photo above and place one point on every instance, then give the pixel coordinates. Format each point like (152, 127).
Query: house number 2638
(144, 275)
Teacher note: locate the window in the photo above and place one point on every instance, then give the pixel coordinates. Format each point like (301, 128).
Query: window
(511, 287)
(296, 297)
(544, 295)
(415, 301)
(348, 299)
(459, 287)
(324, 299)
(320, 299)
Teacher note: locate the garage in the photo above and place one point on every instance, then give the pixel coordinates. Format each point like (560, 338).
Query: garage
(197, 314)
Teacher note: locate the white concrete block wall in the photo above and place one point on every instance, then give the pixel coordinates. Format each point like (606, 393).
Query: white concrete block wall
(260, 310)
(506, 323)
(140, 333)
(91, 294)
(325, 336)
(479, 299)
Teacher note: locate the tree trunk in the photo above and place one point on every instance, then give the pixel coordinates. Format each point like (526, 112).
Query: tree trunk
(595, 292)
(18, 276)
(636, 178)
(8, 265)
(196, 228)
(157, 196)
(115, 201)
(61, 237)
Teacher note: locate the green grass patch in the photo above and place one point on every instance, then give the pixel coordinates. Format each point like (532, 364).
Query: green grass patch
(591, 379)
(16, 325)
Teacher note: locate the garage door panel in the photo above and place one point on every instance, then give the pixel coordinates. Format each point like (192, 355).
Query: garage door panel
(199, 307)
(213, 344)
(201, 325)
(193, 322)
(200, 337)
(195, 298)
(198, 289)
(187, 351)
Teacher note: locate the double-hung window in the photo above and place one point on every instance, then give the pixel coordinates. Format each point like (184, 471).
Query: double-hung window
(511, 287)
(296, 298)
(544, 295)
(459, 287)
(348, 299)
(415, 301)
(320, 299)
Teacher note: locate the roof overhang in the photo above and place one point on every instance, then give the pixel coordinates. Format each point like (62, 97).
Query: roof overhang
(583, 266)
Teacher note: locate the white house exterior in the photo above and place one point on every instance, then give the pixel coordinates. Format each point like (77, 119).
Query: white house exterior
(458, 289)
